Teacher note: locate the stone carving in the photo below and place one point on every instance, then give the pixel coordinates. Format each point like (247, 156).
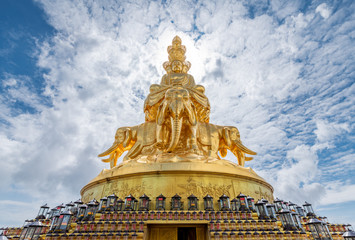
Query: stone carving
(264, 194)
(199, 188)
(136, 190)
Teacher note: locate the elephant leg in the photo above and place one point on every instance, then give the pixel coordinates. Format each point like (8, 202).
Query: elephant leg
(204, 150)
(241, 158)
(133, 152)
(207, 151)
(214, 154)
(159, 136)
(193, 138)
(214, 147)
(113, 162)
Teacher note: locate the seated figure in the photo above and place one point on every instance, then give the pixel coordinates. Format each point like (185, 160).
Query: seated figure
(177, 75)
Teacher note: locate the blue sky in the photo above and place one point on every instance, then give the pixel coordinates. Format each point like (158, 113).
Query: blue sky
(72, 72)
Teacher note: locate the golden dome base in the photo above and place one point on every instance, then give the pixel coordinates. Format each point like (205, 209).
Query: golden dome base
(214, 177)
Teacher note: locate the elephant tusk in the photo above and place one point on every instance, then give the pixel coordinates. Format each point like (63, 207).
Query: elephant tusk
(244, 148)
(106, 160)
(109, 151)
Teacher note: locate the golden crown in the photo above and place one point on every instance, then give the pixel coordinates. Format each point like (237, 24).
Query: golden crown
(177, 53)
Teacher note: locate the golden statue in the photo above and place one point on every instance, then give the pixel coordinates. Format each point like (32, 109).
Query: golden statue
(177, 75)
(176, 122)
(176, 150)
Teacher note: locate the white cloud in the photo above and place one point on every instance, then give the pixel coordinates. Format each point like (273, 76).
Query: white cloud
(296, 180)
(15, 212)
(340, 164)
(323, 10)
(337, 192)
(327, 131)
(21, 90)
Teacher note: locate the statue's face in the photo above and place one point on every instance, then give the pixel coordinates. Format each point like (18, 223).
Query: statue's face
(176, 66)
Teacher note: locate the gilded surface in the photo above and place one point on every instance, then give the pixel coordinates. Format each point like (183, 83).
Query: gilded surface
(176, 126)
(177, 149)
(183, 178)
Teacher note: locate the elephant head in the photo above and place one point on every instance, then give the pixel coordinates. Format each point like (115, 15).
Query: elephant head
(175, 107)
(231, 136)
(122, 143)
(232, 139)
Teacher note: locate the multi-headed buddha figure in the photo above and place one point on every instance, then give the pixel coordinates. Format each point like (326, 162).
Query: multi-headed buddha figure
(176, 120)
(177, 75)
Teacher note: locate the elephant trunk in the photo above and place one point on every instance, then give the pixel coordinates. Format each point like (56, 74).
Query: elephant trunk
(176, 124)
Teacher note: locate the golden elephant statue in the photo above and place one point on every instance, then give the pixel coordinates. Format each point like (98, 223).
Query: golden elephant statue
(175, 114)
(134, 139)
(214, 138)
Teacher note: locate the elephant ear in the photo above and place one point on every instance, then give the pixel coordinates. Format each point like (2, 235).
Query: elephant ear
(128, 137)
(161, 112)
(226, 137)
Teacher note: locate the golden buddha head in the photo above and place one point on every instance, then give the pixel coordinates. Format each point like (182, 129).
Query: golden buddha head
(177, 63)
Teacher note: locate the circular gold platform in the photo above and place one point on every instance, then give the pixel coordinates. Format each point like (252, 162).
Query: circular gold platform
(184, 178)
